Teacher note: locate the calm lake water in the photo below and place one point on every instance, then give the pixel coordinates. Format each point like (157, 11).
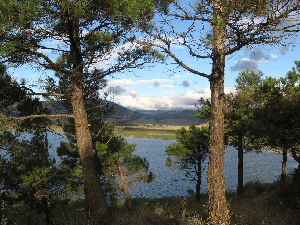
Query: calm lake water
(264, 167)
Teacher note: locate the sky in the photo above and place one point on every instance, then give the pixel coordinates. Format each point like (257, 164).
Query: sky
(162, 88)
(169, 87)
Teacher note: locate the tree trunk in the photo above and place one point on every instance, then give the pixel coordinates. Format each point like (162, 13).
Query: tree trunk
(240, 187)
(48, 210)
(284, 164)
(128, 200)
(198, 184)
(125, 187)
(218, 211)
(96, 204)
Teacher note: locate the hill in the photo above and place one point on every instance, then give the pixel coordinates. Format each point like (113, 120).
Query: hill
(125, 116)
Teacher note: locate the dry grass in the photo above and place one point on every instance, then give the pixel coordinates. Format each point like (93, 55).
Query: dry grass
(168, 210)
(270, 204)
(261, 204)
(264, 204)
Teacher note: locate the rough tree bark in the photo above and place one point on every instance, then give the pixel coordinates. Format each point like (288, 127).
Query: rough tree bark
(96, 205)
(218, 211)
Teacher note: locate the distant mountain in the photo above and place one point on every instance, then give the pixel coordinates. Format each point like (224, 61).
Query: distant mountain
(125, 116)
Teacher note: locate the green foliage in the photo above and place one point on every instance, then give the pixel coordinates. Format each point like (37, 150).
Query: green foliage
(132, 9)
(247, 7)
(103, 26)
(190, 149)
(248, 80)
(31, 177)
(189, 152)
(126, 167)
(241, 123)
(10, 90)
(203, 108)
(280, 110)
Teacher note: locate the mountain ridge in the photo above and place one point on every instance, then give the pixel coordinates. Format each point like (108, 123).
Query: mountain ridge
(125, 116)
(184, 117)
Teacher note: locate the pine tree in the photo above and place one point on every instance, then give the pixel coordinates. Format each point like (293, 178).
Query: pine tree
(189, 152)
(88, 32)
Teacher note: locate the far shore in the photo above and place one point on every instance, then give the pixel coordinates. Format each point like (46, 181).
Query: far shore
(152, 131)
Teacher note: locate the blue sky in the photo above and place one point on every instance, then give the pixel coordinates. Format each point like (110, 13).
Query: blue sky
(162, 88)
(165, 86)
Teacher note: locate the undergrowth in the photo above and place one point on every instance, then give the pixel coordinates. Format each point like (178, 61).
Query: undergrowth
(261, 204)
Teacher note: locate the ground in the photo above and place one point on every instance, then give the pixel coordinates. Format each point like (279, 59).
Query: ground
(269, 204)
(166, 132)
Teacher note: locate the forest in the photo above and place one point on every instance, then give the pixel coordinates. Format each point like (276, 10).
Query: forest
(69, 38)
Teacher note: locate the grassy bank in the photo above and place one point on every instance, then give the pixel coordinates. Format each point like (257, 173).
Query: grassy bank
(262, 204)
(165, 132)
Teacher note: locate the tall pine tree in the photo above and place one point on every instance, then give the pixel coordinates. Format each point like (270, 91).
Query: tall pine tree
(87, 31)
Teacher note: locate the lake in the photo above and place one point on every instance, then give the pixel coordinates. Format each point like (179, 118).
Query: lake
(264, 167)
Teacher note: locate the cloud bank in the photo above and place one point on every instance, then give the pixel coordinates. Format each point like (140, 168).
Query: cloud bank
(166, 102)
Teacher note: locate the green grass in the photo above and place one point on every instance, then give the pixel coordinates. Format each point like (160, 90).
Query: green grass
(165, 132)
(150, 134)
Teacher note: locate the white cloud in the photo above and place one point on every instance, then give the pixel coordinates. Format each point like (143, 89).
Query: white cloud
(156, 84)
(178, 76)
(168, 102)
(133, 94)
(284, 49)
(168, 86)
